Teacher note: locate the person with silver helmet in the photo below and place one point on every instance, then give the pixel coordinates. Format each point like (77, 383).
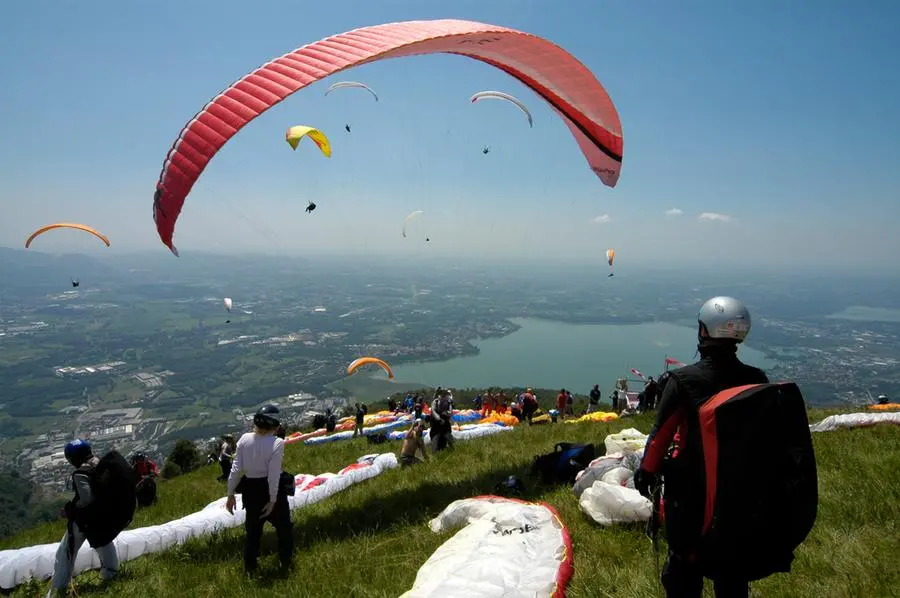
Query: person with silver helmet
(723, 323)
(255, 474)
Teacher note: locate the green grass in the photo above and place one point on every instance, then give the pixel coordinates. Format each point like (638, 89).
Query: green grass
(371, 539)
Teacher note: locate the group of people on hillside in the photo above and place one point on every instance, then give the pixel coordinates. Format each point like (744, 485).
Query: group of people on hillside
(101, 509)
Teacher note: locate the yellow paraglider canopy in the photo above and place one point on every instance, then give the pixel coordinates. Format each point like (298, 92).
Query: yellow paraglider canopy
(83, 227)
(358, 363)
(295, 134)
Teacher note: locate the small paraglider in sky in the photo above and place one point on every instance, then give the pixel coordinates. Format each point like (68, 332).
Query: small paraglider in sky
(610, 256)
(75, 283)
(346, 84)
(310, 207)
(347, 128)
(427, 239)
(485, 149)
(295, 134)
(499, 95)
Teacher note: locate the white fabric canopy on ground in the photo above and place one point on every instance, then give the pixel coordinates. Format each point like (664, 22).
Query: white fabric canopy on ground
(507, 548)
(19, 565)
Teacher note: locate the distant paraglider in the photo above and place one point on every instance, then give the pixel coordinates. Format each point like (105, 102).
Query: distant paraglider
(347, 128)
(310, 207)
(227, 303)
(610, 256)
(295, 134)
(83, 227)
(485, 150)
(358, 363)
(499, 95)
(75, 283)
(407, 222)
(346, 84)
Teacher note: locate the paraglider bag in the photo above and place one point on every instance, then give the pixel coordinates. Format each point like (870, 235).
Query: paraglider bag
(761, 490)
(564, 463)
(113, 483)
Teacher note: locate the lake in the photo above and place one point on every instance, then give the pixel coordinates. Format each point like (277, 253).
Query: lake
(547, 354)
(861, 313)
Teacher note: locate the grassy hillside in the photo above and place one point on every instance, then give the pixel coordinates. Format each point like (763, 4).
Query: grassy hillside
(371, 539)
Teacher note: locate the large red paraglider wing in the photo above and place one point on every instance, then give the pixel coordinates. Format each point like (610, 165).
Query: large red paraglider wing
(554, 74)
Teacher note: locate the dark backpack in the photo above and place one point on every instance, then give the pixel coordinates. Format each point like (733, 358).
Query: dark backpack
(760, 479)
(145, 492)
(113, 485)
(563, 464)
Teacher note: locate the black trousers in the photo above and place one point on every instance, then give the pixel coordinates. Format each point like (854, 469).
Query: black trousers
(255, 496)
(225, 464)
(682, 579)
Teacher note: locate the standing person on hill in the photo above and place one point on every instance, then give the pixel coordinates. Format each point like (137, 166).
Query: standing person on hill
(594, 399)
(256, 472)
(723, 323)
(226, 454)
(360, 418)
(102, 507)
(651, 390)
(561, 400)
(441, 423)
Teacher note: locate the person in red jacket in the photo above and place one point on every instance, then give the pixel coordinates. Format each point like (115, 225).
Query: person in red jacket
(143, 466)
(561, 400)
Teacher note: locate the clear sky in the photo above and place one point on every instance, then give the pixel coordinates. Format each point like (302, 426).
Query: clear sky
(782, 118)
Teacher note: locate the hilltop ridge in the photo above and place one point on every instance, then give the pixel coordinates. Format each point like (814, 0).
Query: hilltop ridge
(370, 539)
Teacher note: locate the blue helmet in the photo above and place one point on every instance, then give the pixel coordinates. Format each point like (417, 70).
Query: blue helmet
(78, 451)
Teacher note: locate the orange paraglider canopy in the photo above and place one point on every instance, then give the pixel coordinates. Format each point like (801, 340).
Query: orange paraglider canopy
(83, 227)
(358, 363)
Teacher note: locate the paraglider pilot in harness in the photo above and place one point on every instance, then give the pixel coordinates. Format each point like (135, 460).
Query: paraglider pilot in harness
(103, 506)
(723, 323)
(310, 207)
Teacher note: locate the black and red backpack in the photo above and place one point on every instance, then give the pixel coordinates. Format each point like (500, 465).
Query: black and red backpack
(760, 480)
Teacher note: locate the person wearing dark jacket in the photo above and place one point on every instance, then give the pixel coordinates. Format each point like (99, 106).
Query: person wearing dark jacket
(651, 390)
(723, 323)
(257, 469)
(358, 422)
(79, 513)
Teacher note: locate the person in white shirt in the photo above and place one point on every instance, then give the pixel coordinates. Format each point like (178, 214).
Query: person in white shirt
(255, 472)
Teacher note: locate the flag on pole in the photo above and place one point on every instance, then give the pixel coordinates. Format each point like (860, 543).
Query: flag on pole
(671, 361)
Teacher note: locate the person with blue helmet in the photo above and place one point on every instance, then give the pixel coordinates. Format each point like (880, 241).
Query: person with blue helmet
(80, 518)
(255, 474)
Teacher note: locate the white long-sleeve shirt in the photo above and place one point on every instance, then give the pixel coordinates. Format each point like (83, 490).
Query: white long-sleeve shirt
(257, 456)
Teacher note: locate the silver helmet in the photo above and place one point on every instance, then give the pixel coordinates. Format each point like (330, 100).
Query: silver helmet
(724, 318)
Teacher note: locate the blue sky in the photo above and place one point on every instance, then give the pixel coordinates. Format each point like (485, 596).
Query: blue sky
(780, 115)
